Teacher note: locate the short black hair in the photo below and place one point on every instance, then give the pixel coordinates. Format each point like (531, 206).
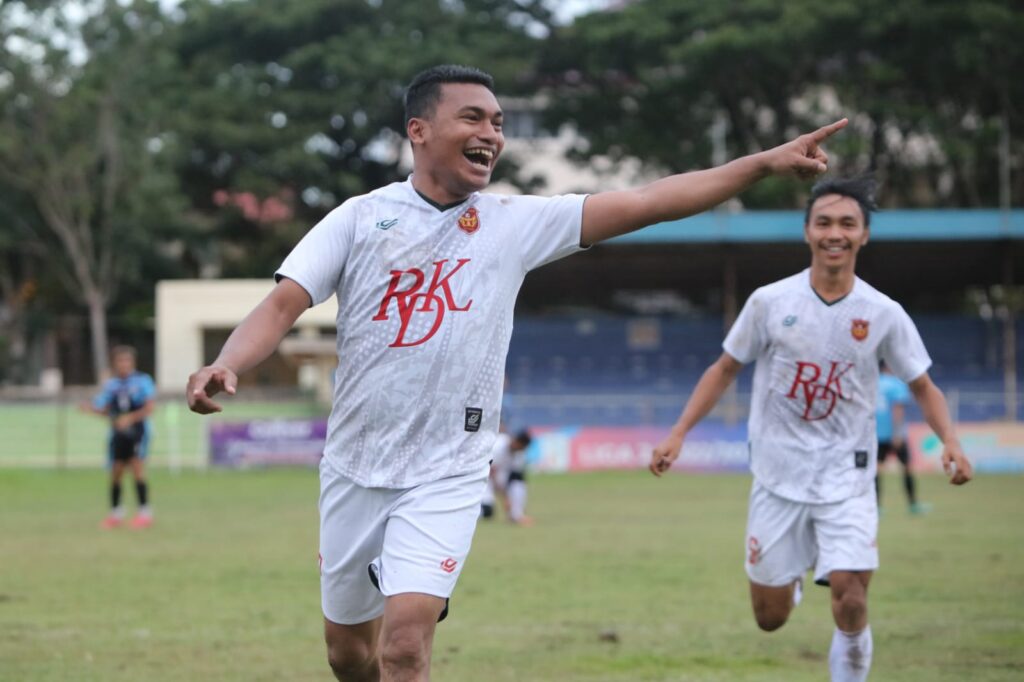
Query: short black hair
(524, 438)
(861, 189)
(123, 350)
(424, 92)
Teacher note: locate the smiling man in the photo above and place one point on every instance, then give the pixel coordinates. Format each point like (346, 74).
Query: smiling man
(817, 338)
(426, 274)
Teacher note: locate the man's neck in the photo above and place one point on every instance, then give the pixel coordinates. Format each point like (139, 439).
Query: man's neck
(434, 192)
(832, 285)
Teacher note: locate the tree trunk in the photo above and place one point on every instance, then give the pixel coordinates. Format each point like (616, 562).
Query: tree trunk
(98, 333)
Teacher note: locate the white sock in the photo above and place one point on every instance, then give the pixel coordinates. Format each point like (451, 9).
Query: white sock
(117, 512)
(849, 659)
(798, 591)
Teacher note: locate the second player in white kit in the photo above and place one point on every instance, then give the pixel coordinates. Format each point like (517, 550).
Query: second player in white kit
(817, 338)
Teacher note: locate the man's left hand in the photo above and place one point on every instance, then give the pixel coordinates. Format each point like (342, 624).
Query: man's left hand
(956, 464)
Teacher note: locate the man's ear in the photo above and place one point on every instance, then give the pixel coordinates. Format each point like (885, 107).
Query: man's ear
(416, 130)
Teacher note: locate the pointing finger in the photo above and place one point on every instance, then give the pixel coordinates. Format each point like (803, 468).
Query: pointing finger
(825, 132)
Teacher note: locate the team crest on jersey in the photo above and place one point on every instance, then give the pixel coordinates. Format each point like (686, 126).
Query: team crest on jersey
(469, 222)
(859, 329)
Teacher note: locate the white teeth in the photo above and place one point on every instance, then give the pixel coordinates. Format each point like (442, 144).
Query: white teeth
(486, 153)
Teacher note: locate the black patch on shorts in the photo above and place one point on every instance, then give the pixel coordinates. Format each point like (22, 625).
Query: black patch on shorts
(860, 459)
(474, 415)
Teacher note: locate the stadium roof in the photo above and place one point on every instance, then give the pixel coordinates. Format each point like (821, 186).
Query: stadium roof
(786, 226)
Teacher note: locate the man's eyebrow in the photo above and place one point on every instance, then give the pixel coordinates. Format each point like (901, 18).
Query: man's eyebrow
(470, 108)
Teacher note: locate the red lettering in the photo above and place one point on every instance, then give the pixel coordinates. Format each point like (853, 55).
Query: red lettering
(399, 296)
(408, 298)
(801, 379)
(819, 399)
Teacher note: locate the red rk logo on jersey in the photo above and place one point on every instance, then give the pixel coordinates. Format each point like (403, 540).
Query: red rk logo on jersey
(819, 399)
(436, 299)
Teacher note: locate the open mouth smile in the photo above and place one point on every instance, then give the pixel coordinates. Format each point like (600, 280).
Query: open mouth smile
(482, 157)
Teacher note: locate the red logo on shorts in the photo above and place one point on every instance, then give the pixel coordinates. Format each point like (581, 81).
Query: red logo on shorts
(469, 222)
(755, 550)
(859, 329)
(448, 565)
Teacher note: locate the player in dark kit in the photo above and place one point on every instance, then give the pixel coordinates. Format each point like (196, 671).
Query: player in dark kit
(128, 400)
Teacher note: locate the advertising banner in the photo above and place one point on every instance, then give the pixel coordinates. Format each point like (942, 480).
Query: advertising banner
(992, 447)
(709, 447)
(264, 442)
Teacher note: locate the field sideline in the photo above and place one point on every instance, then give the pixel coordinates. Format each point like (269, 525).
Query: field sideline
(224, 586)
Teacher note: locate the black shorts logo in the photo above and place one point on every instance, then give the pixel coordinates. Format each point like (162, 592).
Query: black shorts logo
(474, 415)
(860, 459)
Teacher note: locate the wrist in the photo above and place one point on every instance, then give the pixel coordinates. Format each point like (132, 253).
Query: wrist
(760, 164)
(679, 432)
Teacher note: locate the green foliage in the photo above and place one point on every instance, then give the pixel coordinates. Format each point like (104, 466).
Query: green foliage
(924, 83)
(303, 100)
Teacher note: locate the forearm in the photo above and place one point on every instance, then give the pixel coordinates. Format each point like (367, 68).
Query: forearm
(610, 214)
(936, 413)
(705, 396)
(255, 338)
(687, 194)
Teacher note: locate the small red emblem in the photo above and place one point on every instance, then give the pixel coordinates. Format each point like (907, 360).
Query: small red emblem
(755, 550)
(859, 329)
(469, 222)
(448, 565)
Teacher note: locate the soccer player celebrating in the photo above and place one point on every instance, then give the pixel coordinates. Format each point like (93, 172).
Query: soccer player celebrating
(426, 274)
(817, 338)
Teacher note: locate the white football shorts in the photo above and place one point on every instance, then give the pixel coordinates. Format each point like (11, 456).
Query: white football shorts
(416, 538)
(785, 538)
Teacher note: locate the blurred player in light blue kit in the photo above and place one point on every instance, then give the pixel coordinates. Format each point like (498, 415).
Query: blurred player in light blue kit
(128, 399)
(891, 425)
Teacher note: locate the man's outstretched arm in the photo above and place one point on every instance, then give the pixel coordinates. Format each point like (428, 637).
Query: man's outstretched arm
(936, 412)
(610, 214)
(252, 341)
(706, 395)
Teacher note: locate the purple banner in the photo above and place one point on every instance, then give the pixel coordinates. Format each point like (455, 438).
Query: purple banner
(268, 442)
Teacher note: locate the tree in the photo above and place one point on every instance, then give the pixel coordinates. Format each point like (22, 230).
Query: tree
(81, 128)
(295, 106)
(926, 86)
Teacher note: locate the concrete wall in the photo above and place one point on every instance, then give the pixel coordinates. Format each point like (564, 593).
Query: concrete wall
(184, 308)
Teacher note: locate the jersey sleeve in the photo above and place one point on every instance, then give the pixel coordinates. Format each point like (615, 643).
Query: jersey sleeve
(317, 261)
(747, 338)
(549, 228)
(903, 350)
(101, 400)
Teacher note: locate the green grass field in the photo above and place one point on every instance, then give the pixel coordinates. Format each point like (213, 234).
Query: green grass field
(224, 586)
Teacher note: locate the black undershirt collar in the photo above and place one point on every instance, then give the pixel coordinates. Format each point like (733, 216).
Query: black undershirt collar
(439, 207)
(828, 303)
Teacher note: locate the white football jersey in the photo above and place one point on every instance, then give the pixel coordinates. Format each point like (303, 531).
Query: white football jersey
(812, 414)
(425, 301)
